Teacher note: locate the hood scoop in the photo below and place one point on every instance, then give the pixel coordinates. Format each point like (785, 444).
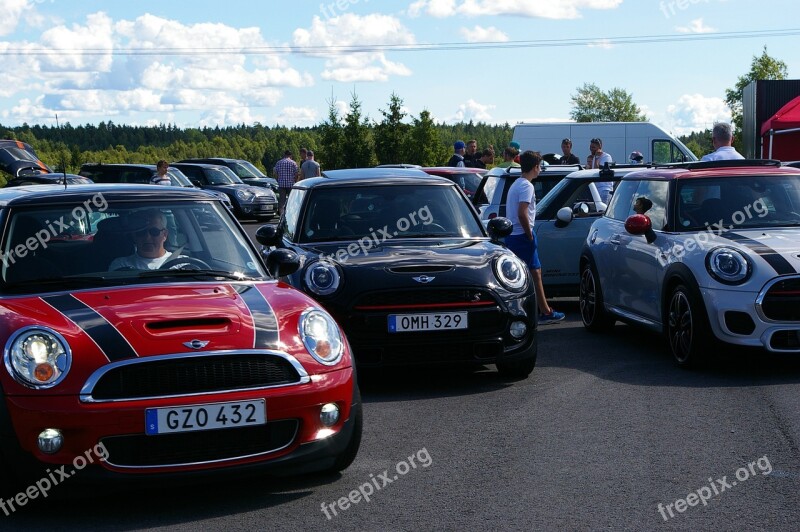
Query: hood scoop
(422, 268)
(207, 325)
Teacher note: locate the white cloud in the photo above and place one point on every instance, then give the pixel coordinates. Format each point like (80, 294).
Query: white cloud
(695, 26)
(296, 116)
(479, 34)
(11, 11)
(695, 112)
(472, 110)
(325, 38)
(550, 9)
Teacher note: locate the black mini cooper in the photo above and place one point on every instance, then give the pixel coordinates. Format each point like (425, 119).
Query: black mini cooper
(402, 261)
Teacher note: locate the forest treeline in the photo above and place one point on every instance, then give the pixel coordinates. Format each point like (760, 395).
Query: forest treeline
(350, 141)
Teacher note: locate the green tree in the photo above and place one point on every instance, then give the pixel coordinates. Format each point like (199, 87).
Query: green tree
(761, 67)
(358, 145)
(591, 104)
(425, 148)
(391, 134)
(331, 138)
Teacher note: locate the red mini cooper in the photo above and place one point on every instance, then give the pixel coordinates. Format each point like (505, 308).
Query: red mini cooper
(144, 336)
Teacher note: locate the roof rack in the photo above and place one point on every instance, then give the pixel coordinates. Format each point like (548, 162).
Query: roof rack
(726, 163)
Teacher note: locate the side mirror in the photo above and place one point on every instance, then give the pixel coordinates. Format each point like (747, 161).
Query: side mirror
(499, 228)
(564, 215)
(282, 262)
(268, 235)
(639, 224)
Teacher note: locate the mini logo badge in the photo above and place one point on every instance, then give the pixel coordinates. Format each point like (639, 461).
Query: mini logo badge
(196, 344)
(424, 279)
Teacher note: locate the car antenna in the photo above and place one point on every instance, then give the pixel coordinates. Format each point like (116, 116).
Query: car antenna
(63, 157)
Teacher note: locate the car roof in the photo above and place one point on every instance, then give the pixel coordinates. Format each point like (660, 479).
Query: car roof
(712, 169)
(202, 165)
(198, 160)
(58, 194)
(372, 176)
(594, 173)
(439, 170)
(130, 165)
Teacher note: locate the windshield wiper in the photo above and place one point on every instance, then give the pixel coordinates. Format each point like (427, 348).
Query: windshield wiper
(195, 273)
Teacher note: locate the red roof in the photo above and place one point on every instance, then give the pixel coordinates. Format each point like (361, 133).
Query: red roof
(787, 117)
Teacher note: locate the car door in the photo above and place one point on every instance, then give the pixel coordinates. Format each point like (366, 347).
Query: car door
(637, 259)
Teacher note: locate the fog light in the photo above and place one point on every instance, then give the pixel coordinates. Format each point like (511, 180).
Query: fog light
(50, 441)
(518, 329)
(329, 414)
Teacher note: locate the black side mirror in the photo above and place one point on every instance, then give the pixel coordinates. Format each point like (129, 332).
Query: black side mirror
(282, 262)
(269, 235)
(499, 228)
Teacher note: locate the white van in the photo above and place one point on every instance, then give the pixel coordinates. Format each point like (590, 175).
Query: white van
(619, 140)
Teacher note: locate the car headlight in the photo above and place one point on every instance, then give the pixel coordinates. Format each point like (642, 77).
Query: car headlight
(511, 272)
(728, 265)
(322, 278)
(245, 194)
(321, 336)
(37, 357)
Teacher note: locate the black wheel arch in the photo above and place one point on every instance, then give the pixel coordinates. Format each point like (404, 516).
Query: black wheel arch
(676, 274)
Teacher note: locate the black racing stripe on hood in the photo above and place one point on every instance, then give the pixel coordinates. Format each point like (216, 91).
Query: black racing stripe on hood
(105, 335)
(773, 258)
(264, 319)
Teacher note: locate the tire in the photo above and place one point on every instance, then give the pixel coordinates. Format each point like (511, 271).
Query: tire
(516, 369)
(687, 328)
(590, 299)
(347, 456)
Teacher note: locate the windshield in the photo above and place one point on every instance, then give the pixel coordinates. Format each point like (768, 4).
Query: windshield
(739, 202)
(221, 175)
(96, 242)
(244, 169)
(387, 211)
(178, 178)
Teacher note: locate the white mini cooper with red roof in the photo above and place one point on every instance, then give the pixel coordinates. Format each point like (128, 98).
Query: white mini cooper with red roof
(703, 252)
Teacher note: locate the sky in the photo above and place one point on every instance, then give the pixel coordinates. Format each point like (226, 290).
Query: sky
(213, 63)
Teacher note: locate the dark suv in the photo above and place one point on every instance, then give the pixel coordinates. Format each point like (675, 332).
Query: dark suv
(244, 170)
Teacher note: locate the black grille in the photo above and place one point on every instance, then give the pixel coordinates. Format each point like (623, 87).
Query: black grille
(785, 341)
(138, 450)
(782, 302)
(739, 322)
(424, 297)
(180, 376)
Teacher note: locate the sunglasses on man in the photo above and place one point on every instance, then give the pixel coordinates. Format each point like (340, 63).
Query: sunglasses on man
(152, 231)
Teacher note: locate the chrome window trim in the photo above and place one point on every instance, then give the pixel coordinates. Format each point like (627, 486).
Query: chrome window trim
(209, 462)
(91, 382)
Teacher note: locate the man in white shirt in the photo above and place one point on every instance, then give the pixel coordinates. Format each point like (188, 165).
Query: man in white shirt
(161, 177)
(149, 236)
(521, 210)
(597, 159)
(722, 139)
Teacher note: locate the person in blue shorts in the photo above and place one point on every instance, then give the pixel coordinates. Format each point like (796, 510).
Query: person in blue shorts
(521, 210)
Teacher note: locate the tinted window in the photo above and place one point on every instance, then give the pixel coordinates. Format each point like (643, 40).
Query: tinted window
(401, 211)
(656, 192)
(293, 206)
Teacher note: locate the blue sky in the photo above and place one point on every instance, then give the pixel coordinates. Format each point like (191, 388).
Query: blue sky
(206, 63)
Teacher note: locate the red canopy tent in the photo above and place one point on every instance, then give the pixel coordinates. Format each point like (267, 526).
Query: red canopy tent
(780, 135)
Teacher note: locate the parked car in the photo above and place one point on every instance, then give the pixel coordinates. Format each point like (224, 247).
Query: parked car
(47, 179)
(139, 174)
(467, 178)
(18, 158)
(713, 255)
(563, 219)
(401, 259)
(202, 366)
(248, 201)
(244, 170)
(490, 197)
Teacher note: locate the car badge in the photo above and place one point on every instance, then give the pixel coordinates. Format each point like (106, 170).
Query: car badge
(196, 344)
(424, 279)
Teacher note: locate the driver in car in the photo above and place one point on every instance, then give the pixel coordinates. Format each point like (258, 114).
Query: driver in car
(149, 234)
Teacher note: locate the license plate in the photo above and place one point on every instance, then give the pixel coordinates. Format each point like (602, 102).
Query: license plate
(427, 322)
(205, 417)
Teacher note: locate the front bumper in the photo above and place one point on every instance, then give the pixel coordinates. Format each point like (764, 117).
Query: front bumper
(302, 442)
